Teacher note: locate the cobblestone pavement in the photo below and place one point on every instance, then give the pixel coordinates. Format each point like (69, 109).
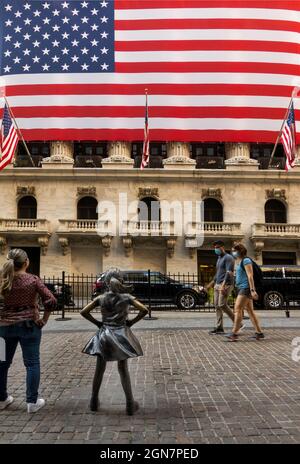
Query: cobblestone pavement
(192, 388)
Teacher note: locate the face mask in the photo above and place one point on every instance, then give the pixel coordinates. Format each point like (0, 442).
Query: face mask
(218, 251)
(235, 254)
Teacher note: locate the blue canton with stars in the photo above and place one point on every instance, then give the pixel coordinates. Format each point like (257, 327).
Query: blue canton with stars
(6, 123)
(43, 37)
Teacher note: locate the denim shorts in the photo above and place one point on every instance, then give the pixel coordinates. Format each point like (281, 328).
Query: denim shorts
(244, 292)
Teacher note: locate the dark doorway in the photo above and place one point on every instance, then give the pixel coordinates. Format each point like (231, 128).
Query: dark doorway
(34, 255)
(206, 265)
(279, 258)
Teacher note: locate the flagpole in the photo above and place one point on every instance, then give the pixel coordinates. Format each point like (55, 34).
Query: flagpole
(280, 132)
(19, 132)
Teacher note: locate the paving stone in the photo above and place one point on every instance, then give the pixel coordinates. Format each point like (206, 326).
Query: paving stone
(192, 388)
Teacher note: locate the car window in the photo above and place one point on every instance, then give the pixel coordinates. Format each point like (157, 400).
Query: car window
(272, 272)
(156, 278)
(138, 277)
(292, 273)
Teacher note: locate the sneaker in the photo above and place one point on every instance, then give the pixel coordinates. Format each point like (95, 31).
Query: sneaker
(34, 407)
(216, 332)
(258, 336)
(232, 337)
(241, 328)
(7, 402)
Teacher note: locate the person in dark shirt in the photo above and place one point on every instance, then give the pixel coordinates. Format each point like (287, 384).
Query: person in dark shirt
(20, 322)
(223, 285)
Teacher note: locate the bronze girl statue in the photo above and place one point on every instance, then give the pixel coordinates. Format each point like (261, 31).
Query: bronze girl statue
(114, 340)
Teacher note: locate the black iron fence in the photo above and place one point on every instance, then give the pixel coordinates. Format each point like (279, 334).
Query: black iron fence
(171, 292)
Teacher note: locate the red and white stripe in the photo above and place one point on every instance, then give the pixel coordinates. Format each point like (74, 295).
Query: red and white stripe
(8, 146)
(218, 70)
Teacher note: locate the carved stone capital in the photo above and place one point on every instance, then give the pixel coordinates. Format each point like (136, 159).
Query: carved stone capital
(64, 243)
(43, 242)
(171, 242)
(58, 159)
(276, 194)
(258, 247)
(179, 159)
(106, 243)
(26, 190)
(3, 245)
(128, 245)
(118, 159)
(212, 193)
(90, 190)
(148, 192)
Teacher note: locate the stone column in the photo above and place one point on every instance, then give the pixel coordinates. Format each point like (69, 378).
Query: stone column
(179, 156)
(297, 161)
(238, 157)
(61, 155)
(119, 156)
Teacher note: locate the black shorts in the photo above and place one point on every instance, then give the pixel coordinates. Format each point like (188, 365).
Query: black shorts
(244, 292)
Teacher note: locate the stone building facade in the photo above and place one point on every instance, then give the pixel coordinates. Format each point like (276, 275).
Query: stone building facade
(50, 210)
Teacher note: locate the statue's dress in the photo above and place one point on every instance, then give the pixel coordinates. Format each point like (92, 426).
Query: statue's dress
(114, 341)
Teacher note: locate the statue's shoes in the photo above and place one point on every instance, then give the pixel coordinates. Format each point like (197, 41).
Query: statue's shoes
(94, 404)
(132, 407)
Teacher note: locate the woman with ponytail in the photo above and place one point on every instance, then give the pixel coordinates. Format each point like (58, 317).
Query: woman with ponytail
(114, 340)
(20, 322)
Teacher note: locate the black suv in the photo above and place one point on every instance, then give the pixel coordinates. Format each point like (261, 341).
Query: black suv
(63, 297)
(281, 284)
(162, 288)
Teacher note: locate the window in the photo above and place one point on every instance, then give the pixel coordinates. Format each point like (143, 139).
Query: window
(87, 208)
(275, 212)
(90, 149)
(263, 150)
(213, 210)
(35, 149)
(149, 209)
(27, 208)
(278, 258)
(208, 149)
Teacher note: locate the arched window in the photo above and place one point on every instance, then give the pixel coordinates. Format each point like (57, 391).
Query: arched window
(149, 209)
(275, 212)
(87, 208)
(27, 208)
(213, 210)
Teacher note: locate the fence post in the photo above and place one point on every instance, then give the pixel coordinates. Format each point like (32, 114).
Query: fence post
(63, 290)
(149, 317)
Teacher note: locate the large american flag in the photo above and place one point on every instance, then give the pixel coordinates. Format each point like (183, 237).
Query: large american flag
(217, 70)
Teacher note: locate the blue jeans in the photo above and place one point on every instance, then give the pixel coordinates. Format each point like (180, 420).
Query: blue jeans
(29, 339)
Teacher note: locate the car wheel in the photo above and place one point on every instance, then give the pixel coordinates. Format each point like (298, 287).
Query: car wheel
(273, 300)
(186, 300)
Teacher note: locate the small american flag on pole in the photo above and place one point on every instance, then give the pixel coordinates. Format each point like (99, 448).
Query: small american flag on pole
(145, 157)
(288, 138)
(9, 139)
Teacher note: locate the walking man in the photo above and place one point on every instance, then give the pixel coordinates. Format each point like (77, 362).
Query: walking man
(223, 285)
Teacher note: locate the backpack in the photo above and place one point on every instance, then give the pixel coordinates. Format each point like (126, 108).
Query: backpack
(257, 273)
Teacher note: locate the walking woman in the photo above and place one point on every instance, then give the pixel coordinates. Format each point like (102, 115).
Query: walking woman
(114, 340)
(20, 322)
(246, 293)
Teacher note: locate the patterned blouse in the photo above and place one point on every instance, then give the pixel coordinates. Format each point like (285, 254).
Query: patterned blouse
(21, 303)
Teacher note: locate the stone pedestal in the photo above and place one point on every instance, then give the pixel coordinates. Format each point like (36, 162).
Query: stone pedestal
(119, 156)
(179, 156)
(61, 156)
(238, 157)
